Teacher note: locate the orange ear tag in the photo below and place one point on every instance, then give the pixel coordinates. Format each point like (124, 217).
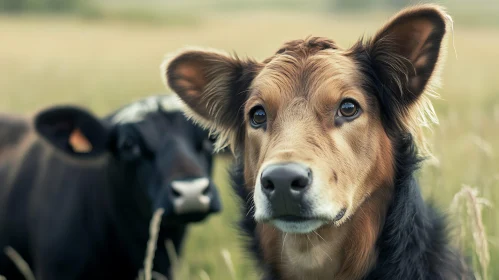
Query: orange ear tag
(79, 142)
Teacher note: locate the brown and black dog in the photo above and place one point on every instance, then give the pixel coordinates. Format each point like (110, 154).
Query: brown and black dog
(327, 140)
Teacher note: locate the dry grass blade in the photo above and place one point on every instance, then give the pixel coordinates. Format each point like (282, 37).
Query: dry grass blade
(172, 254)
(203, 275)
(228, 262)
(20, 263)
(474, 205)
(483, 145)
(158, 276)
(154, 274)
(151, 243)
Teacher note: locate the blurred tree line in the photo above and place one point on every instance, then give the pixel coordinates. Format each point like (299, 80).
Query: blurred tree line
(21, 6)
(474, 12)
(61, 6)
(359, 5)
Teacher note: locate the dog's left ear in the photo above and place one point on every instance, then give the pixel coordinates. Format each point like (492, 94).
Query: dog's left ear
(214, 86)
(405, 53)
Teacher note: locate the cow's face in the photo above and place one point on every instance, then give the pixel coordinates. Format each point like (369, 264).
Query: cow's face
(157, 155)
(172, 159)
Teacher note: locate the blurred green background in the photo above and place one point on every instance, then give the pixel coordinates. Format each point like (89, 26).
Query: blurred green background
(104, 54)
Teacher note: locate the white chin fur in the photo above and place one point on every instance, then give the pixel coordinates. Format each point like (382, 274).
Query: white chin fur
(261, 204)
(298, 227)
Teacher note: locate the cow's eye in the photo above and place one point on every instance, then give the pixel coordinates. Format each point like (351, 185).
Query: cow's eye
(205, 145)
(258, 117)
(130, 148)
(128, 144)
(348, 109)
(208, 145)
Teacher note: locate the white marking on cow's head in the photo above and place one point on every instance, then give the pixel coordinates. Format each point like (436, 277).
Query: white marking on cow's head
(137, 111)
(171, 103)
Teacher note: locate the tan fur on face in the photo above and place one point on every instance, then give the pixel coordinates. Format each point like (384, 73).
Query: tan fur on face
(301, 95)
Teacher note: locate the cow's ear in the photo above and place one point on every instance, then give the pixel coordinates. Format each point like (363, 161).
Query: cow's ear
(406, 52)
(73, 130)
(214, 86)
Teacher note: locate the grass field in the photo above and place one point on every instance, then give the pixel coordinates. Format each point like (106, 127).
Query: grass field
(107, 63)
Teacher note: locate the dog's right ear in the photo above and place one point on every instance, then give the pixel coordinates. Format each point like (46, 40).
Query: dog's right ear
(214, 86)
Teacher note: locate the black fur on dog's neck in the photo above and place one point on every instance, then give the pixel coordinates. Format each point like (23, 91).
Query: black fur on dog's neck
(413, 243)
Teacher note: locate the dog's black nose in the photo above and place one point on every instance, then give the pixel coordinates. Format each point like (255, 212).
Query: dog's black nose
(284, 185)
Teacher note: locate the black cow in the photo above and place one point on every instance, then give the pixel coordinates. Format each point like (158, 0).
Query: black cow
(77, 192)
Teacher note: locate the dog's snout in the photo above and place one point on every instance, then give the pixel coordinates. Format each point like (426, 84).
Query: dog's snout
(285, 180)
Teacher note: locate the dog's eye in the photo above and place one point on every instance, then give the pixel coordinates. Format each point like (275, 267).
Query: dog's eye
(258, 117)
(348, 108)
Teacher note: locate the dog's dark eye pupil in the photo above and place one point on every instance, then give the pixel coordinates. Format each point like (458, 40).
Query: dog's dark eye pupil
(348, 109)
(259, 116)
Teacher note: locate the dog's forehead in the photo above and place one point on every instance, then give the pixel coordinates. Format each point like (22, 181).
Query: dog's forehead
(307, 46)
(307, 74)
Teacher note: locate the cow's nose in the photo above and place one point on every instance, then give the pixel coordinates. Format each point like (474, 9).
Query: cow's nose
(284, 185)
(191, 196)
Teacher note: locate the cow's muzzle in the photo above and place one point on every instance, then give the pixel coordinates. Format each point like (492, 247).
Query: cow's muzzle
(194, 196)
